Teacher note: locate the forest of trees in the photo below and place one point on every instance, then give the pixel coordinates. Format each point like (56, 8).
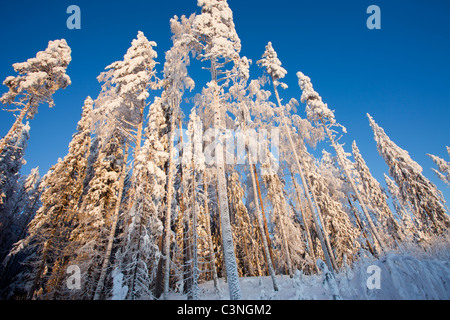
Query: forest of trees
(150, 201)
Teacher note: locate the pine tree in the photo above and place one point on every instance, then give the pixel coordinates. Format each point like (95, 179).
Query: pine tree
(39, 78)
(176, 81)
(319, 113)
(50, 230)
(443, 171)
(219, 43)
(376, 199)
(140, 254)
(344, 235)
(11, 162)
(276, 72)
(427, 201)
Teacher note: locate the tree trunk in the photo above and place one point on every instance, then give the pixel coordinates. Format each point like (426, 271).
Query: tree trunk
(210, 242)
(305, 222)
(266, 229)
(167, 223)
(227, 234)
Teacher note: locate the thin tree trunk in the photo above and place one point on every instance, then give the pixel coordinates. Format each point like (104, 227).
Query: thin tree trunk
(101, 282)
(210, 242)
(358, 221)
(261, 218)
(266, 228)
(167, 226)
(227, 234)
(195, 273)
(305, 222)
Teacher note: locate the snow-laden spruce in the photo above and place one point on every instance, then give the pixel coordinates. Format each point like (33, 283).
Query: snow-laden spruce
(426, 200)
(376, 199)
(11, 162)
(218, 43)
(276, 72)
(443, 171)
(50, 230)
(319, 114)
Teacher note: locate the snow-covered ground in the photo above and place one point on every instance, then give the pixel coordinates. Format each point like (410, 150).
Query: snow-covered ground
(395, 276)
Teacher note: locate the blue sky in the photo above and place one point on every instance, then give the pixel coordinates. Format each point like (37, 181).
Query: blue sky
(399, 74)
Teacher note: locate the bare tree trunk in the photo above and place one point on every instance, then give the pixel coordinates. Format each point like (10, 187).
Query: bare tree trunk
(167, 223)
(210, 242)
(266, 229)
(101, 282)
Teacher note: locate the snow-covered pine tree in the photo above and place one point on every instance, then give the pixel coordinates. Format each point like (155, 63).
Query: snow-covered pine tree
(97, 219)
(140, 253)
(443, 171)
(11, 161)
(133, 77)
(344, 235)
(376, 199)
(219, 43)
(50, 230)
(279, 217)
(319, 114)
(243, 230)
(273, 67)
(404, 212)
(39, 78)
(427, 201)
(176, 81)
(126, 85)
(25, 209)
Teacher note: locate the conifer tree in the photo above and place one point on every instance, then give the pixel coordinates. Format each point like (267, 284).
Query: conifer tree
(11, 162)
(427, 201)
(376, 199)
(39, 78)
(50, 230)
(443, 171)
(319, 113)
(219, 43)
(276, 72)
(176, 81)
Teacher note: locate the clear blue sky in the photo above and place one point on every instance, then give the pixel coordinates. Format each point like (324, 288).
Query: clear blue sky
(399, 74)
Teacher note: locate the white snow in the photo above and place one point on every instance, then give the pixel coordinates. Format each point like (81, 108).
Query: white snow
(403, 276)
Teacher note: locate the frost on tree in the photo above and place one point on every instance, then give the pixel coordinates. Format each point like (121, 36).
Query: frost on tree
(49, 232)
(443, 171)
(39, 78)
(343, 234)
(176, 81)
(140, 254)
(319, 114)
(377, 200)
(427, 201)
(219, 43)
(273, 67)
(11, 162)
